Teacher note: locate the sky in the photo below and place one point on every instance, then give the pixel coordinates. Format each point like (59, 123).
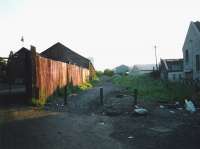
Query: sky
(112, 32)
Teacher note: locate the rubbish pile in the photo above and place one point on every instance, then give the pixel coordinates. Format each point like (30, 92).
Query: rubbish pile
(188, 106)
(140, 111)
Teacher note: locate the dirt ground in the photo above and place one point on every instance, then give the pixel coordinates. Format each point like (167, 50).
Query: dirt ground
(85, 123)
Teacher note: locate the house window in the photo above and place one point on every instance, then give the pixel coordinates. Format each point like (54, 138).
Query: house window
(197, 63)
(174, 76)
(180, 76)
(186, 56)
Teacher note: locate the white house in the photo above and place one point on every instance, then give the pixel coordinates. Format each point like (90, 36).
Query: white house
(141, 69)
(122, 69)
(171, 69)
(191, 52)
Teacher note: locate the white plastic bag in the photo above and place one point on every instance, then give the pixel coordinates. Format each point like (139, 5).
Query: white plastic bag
(141, 111)
(189, 106)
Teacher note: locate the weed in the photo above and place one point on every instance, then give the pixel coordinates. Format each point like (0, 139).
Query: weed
(150, 88)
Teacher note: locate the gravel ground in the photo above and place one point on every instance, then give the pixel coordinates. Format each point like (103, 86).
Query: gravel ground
(86, 124)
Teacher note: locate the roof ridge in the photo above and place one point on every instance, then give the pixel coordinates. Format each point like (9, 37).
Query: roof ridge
(58, 43)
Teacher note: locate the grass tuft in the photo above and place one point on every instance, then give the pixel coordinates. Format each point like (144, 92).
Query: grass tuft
(150, 88)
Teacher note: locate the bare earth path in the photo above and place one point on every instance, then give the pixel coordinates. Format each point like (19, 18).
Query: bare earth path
(74, 128)
(84, 124)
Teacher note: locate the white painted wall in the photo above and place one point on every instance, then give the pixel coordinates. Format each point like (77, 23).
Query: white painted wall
(193, 48)
(175, 76)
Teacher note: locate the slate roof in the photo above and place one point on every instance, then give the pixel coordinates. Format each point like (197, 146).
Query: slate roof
(173, 65)
(197, 23)
(62, 53)
(21, 53)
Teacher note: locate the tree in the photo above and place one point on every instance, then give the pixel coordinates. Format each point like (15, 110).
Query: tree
(3, 66)
(108, 72)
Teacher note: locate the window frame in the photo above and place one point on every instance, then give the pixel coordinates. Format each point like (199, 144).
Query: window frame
(197, 60)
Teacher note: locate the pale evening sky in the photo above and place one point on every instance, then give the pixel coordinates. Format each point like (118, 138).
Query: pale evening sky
(113, 32)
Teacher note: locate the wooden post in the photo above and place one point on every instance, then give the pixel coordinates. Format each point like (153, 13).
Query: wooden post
(65, 95)
(28, 74)
(135, 96)
(32, 82)
(101, 95)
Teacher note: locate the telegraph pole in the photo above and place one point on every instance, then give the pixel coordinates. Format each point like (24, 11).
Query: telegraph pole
(156, 57)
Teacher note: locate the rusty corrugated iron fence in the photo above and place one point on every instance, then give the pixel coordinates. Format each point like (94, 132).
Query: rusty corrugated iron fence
(49, 75)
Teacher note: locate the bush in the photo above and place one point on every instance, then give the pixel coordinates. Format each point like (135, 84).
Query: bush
(99, 73)
(38, 102)
(108, 72)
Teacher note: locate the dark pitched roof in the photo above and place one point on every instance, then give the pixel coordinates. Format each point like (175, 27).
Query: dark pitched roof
(21, 52)
(172, 65)
(197, 23)
(23, 49)
(62, 53)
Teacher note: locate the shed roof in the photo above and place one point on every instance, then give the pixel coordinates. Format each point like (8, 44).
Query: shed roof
(173, 65)
(197, 23)
(62, 53)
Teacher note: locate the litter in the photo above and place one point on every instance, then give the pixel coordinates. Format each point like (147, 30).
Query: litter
(141, 111)
(131, 137)
(180, 108)
(172, 112)
(102, 123)
(177, 103)
(162, 107)
(136, 106)
(189, 106)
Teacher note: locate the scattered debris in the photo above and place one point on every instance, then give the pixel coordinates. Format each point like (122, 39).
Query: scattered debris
(140, 111)
(162, 107)
(180, 108)
(189, 106)
(161, 129)
(113, 112)
(101, 123)
(171, 106)
(177, 103)
(172, 112)
(120, 96)
(131, 137)
(136, 106)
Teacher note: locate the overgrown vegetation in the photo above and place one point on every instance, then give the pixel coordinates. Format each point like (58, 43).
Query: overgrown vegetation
(108, 72)
(71, 89)
(38, 102)
(149, 88)
(99, 74)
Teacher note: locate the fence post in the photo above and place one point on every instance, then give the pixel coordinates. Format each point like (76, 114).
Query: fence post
(65, 94)
(135, 96)
(101, 95)
(32, 81)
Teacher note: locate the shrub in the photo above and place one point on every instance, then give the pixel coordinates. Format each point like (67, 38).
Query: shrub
(99, 73)
(38, 102)
(108, 72)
